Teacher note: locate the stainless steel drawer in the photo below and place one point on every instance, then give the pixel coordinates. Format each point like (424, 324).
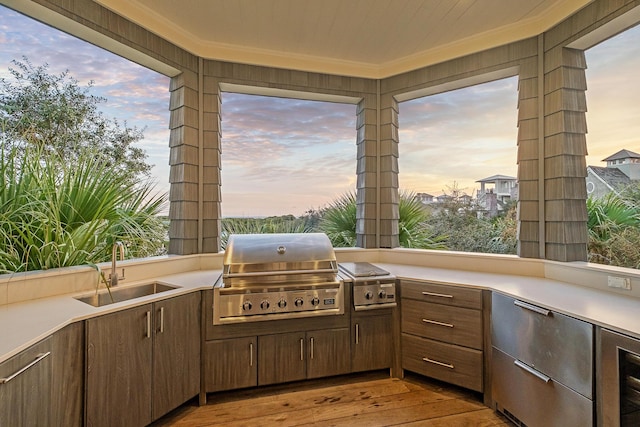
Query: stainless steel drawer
(534, 400)
(456, 325)
(446, 362)
(559, 346)
(442, 294)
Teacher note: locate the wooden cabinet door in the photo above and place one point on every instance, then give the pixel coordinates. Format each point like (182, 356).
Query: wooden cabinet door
(371, 342)
(281, 358)
(67, 399)
(176, 352)
(230, 364)
(328, 352)
(25, 398)
(118, 376)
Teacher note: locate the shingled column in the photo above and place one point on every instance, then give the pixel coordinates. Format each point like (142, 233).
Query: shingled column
(183, 160)
(565, 149)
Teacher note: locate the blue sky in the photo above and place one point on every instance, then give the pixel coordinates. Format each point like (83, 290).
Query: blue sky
(287, 156)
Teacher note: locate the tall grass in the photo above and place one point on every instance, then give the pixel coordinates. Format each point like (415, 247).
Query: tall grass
(55, 213)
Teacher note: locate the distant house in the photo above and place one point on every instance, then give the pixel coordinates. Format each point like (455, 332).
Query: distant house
(495, 191)
(425, 198)
(623, 168)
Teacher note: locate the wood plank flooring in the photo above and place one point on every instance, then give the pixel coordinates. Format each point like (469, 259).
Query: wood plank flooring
(371, 399)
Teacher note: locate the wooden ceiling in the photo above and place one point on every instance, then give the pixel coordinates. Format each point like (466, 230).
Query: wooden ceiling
(367, 38)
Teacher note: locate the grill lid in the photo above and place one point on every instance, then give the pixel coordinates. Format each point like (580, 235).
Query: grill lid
(279, 258)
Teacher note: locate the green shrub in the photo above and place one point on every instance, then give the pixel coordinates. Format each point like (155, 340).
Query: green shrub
(56, 213)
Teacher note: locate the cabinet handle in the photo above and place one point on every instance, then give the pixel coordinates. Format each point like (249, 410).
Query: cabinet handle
(434, 294)
(435, 322)
(531, 307)
(435, 362)
(250, 354)
(301, 348)
(148, 324)
(161, 320)
(357, 333)
(532, 371)
(311, 348)
(38, 358)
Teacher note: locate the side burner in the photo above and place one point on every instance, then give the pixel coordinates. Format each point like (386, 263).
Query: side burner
(373, 287)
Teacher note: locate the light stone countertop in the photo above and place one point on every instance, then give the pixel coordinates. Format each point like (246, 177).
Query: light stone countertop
(23, 324)
(610, 310)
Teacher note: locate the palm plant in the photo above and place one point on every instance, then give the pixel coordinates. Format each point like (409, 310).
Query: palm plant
(339, 223)
(614, 231)
(55, 213)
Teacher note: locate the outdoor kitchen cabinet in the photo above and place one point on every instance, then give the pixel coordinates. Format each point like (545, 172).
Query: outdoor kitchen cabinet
(142, 362)
(442, 332)
(230, 364)
(50, 390)
(25, 391)
(371, 340)
(301, 355)
(328, 352)
(67, 381)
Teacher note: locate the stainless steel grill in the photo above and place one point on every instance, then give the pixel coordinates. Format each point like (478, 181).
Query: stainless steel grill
(373, 287)
(277, 276)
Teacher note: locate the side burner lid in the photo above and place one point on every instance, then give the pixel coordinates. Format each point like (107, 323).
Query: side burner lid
(362, 269)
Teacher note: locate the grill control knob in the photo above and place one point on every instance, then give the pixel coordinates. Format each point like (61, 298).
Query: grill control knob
(282, 303)
(368, 295)
(298, 302)
(246, 306)
(264, 305)
(315, 301)
(382, 294)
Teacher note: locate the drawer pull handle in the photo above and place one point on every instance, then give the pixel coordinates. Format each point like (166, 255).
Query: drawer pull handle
(532, 307)
(434, 294)
(435, 362)
(435, 322)
(250, 354)
(148, 333)
(532, 371)
(38, 358)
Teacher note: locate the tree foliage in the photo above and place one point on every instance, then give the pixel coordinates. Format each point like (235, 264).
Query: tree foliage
(58, 214)
(58, 116)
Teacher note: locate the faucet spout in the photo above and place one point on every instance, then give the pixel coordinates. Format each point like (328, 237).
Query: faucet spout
(117, 247)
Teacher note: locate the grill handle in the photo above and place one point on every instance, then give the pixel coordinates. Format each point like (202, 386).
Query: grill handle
(279, 273)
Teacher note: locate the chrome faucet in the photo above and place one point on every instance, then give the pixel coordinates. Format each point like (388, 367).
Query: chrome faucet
(113, 279)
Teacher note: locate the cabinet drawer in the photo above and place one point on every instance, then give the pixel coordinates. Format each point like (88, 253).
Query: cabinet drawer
(534, 401)
(442, 294)
(559, 346)
(456, 325)
(446, 362)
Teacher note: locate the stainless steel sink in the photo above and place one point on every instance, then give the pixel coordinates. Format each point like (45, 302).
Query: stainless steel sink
(124, 294)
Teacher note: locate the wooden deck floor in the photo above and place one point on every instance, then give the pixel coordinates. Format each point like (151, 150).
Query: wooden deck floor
(370, 400)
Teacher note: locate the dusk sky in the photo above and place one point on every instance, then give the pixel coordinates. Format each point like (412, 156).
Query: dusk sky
(283, 156)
